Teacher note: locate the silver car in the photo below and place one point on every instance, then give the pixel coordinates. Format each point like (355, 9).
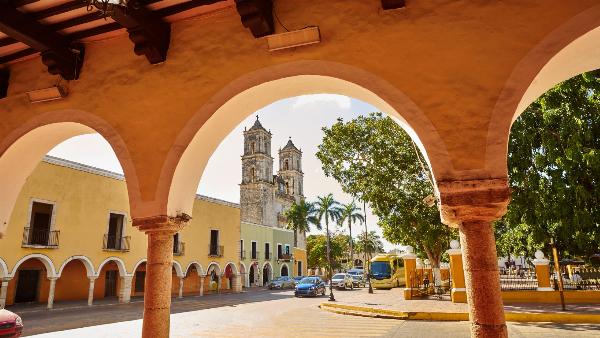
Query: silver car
(283, 282)
(342, 281)
(359, 281)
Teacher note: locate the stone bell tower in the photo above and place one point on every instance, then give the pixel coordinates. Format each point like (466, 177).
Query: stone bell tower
(256, 189)
(290, 172)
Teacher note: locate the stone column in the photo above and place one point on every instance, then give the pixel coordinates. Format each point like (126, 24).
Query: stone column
(3, 289)
(51, 292)
(125, 289)
(236, 283)
(542, 271)
(472, 206)
(410, 270)
(180, 288)
(457, 272)
(202, 285)
(157, 295)
(91, 290)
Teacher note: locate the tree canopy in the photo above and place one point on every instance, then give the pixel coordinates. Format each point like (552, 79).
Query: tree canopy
(375, 160)
(554, 171)
(316, 248)
(300, 216)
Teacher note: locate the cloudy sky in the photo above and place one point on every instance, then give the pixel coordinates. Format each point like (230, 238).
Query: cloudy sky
(300, 118)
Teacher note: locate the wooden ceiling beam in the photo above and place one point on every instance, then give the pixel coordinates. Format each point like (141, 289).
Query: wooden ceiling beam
(148, 32)
(256, 15)
(392, 4)
(57, 51)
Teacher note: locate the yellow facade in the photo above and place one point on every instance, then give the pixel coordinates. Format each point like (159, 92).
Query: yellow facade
(83, 198)
(300, 257)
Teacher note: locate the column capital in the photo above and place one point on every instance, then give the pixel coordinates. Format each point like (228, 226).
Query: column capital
(473, 200)
(161, 223)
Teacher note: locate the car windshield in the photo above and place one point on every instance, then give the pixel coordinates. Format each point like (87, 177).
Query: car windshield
(356, 276)
(381, 269)
(338, 276)
(308, 281)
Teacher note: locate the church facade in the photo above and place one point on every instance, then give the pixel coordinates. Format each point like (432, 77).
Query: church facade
(268, 247)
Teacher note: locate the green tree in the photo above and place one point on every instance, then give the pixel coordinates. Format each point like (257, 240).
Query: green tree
(300, 216)
(369, 244)
(373, 158)
(328, 209)
(554, 171)
(351, 213)
(316, 248)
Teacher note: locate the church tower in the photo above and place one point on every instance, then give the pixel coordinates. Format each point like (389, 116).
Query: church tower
(256, 189)
(290, 170)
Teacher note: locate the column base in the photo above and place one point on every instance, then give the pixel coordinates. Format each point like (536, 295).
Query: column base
(408, 293)
(458, 295)
(488, 331)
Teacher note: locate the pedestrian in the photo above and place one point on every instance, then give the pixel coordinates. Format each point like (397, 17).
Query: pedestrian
(426, 282)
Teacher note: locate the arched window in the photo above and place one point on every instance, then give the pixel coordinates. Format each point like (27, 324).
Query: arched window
(286, 165)
(252, 147)
(287, 188)
(252, 174)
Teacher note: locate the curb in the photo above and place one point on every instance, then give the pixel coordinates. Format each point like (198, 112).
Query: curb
(554, 317)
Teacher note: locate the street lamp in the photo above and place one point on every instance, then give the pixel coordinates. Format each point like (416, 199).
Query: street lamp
(331, 297)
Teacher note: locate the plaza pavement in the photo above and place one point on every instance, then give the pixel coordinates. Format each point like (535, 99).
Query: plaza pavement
(263, 313)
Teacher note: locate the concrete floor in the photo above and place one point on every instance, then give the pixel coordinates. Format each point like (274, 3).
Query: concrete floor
(262, 313)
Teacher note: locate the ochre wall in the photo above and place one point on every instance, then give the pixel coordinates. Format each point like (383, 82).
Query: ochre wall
(299, 255)
(73, 283)
(452, 59)
(43, 287)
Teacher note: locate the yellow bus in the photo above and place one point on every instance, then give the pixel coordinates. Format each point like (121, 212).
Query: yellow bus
(387, 271)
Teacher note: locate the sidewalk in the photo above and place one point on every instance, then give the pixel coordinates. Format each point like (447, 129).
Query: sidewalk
(391, 304)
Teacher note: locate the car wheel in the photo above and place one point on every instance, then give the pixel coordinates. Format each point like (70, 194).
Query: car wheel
(352, 286)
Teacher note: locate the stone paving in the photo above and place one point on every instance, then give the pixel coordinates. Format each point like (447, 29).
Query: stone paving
(266, 313)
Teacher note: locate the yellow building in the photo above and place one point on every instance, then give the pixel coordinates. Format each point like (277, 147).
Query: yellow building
(70, 237)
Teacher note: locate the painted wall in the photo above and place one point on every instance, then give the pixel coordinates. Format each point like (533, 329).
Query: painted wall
(82, 203)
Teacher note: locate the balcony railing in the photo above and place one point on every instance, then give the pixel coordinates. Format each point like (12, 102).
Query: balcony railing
(178, 248)
(215, 251)
(116, 243)
(40, 238)
(243, 254)
(285, 257)
(255, 255)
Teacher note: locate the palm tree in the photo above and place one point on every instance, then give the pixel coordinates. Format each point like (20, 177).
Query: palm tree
(351, 213)
(329, 209)
(369, 243)
(299, 218)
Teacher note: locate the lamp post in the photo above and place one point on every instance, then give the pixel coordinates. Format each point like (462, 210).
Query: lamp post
(331, 297)
(365, 248)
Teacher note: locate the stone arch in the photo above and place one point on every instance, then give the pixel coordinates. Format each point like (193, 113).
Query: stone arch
(198, 268)
(138, 263)
(569, 50)
(120, 265)
(234, 267)
(89, 266)
(269, 276)
(28, 143)
(178, 269)
(287, 270)
(50, 270)
(3, 269)
(202, 134)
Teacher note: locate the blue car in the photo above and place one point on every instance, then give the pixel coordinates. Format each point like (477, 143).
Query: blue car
(310, 286)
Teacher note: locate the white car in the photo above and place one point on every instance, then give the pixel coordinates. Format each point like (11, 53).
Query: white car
(342, 281)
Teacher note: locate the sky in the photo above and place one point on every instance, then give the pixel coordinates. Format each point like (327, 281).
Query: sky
(300, 118)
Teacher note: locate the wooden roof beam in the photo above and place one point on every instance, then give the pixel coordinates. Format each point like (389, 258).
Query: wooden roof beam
(149, 33)
(392, 4)
(58, 53)
(256, 15)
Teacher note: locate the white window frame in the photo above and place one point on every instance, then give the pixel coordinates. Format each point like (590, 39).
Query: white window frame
(52, 218)
(256, 246)
(125, 219)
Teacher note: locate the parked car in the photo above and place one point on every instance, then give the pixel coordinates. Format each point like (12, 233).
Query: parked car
(359, 281)
(310, 286)
(11, 325)
(356, 271)
(297, 279)
(282, 282)
(342, 281)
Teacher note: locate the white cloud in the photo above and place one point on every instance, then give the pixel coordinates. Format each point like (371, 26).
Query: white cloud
(343, 102)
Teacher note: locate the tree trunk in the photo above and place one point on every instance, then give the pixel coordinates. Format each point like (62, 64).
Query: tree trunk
(435, 260)
(351, 245)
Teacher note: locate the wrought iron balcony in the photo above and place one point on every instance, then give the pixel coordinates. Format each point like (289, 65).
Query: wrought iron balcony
(40, 238)
(243, 254)
(285, 257)
(179, 248)
(215, 251)
(116, 243)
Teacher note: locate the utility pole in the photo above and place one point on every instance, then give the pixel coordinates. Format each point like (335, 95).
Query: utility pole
(558, 274)
(367, 262)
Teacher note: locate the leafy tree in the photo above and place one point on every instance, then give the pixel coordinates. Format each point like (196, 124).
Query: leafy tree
(316, 248)
(329, 210)
(350, 213)
(369, 244)
(372, 157)
(554, 171)
(300, 216)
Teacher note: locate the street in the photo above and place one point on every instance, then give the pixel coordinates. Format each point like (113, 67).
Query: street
(262, 313)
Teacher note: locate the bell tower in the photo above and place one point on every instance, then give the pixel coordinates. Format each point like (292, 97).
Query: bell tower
(256, 189)
(290, 170)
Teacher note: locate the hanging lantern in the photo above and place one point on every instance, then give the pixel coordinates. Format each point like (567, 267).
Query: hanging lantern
(108, 7)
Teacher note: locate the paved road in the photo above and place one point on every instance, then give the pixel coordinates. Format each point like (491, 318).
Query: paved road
(263, 314)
